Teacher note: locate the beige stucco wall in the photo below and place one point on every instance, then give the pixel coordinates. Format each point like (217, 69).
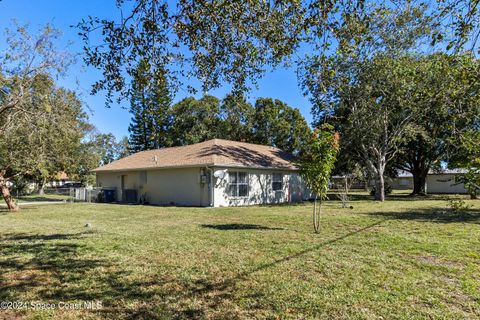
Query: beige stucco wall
(163, 187)
(436, 183)
(184, 187)
(444, 183)
(402, 183)
(259, 188)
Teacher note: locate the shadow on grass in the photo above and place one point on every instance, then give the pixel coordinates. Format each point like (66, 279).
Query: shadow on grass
(41, 199)
(332, 196)
(60, 267)
(432, 215)
(238, 226)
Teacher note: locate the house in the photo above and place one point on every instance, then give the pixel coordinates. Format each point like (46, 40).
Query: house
(61, 180)
(437, 182)
(213, 173)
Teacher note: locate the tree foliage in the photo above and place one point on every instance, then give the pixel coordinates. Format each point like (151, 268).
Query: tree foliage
(462, 21)
(317, 162)
(27, 58)
(236, 116)
(446, 94)
(317, 159)
(228, 41)
(195, 120)
(365, 86)
(43, 128)
(277, 124)
(30, 106)
(467, 156)
(150, 105)
(269, 122)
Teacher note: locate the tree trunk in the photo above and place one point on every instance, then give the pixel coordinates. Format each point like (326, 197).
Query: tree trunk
(380, 179)
(316, 214)
(41, 188)
(419, 181)
(11, 205)
(380, 188)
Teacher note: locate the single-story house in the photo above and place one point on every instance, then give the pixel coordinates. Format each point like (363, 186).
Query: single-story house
(213, 173)
(437, 182)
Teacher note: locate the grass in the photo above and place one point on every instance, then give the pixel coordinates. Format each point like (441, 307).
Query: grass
(405, 258)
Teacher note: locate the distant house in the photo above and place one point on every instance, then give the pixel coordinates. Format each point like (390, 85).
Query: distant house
(213, 173)
(437, 182)
(60, 179)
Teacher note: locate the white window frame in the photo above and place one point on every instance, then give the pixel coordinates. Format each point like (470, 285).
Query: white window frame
(238, 184)
(277, 174)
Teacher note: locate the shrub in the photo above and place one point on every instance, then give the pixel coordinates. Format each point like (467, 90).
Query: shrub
(458, 205)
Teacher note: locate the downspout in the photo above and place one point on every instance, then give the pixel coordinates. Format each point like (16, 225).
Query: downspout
(212, 188)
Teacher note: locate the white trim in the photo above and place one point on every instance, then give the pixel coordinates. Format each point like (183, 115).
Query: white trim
(238, 184)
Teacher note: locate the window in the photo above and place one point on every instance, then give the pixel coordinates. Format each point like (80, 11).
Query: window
(277, 182)
(237, 184)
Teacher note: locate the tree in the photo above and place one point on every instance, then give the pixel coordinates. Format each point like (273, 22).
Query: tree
(446, 92)
(373, 110)
(107, 147)
(276, 124)
(122, 148)
(219, 41)
(28, 57)
(150, 105)
(24, 74)
(316, 164)
(140, 127)
(46, 140)
(160, 110)
(228, 41)
(96, 149)
(467, 156)
(236, 118)
(195, 120)
(462, 21)
(364, 86)
(60, 132)
(271, 122)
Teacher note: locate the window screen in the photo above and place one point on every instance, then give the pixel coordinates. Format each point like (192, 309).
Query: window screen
(237, 184)
(277, 182)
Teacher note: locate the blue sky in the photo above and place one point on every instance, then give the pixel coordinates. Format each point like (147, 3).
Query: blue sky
(280, 84)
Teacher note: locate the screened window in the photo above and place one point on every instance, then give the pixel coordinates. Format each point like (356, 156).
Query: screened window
(237, 184)
(277, 182)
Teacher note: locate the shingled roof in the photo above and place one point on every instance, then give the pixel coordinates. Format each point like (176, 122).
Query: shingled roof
(215, 152)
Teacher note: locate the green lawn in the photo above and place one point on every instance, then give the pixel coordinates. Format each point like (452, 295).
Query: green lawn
(401, 259)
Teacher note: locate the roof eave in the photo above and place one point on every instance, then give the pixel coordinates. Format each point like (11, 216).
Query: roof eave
(200, 165)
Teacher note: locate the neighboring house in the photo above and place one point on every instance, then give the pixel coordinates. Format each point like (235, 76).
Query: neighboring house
(60, 179)
(437, 182)
(213, 173)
